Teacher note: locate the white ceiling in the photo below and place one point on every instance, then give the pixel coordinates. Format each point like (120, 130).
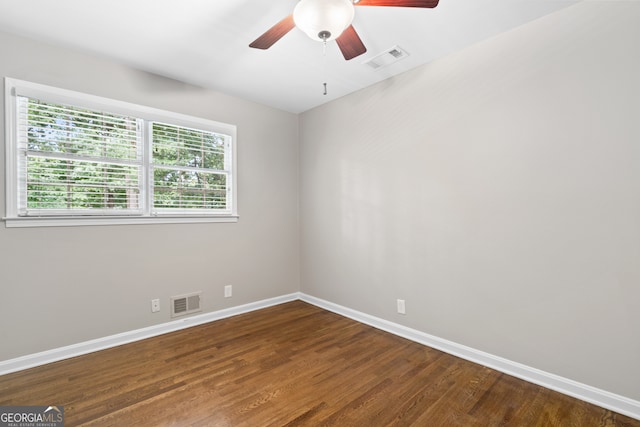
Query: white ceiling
(205, 42)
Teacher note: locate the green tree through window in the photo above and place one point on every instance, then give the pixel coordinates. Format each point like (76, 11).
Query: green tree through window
(74, 157)
(78, 159)
(188, 168)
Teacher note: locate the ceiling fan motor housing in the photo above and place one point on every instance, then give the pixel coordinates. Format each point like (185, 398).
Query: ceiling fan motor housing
(323, 20)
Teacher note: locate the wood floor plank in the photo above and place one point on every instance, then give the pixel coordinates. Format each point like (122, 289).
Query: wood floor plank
(290, 365)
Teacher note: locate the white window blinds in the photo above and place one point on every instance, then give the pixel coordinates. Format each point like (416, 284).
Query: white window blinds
(190, 168)
(75, 161)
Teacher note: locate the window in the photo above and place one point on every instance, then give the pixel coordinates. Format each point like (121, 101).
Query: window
(78, 159)
(189, 168)
(74, 161)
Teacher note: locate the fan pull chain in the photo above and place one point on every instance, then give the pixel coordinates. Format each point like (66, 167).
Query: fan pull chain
(324, 54)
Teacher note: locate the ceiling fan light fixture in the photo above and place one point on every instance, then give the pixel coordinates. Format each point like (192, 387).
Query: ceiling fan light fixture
(323, 20)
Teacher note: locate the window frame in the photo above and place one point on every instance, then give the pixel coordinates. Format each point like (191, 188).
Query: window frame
(14, 88)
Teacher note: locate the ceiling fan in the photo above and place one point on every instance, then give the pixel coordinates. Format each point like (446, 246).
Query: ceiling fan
(326, 20)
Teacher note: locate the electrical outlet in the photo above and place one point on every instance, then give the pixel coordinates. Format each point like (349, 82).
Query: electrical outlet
(401, 307)
(228, 291)
(155, 305)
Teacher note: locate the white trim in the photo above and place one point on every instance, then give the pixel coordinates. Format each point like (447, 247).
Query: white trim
(112, 220)
(602, 398)
(11, 183)
(54, 355)
(89, 101)
(147, 215)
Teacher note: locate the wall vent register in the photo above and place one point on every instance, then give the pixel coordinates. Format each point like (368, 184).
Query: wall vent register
(185, 304)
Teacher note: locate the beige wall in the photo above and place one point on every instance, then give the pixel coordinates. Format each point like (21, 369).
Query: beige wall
(60, 286)
(497, 191)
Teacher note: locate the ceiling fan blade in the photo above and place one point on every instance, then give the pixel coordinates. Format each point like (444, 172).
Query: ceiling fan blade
(274, 34)
(398, 3)
(350, 44)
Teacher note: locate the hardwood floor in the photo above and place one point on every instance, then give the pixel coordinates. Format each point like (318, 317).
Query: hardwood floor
(290, 365)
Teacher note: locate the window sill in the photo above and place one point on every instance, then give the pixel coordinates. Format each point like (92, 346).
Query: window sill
(112, 220)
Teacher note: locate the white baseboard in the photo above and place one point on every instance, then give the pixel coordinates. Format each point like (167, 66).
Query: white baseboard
(49, 356)
(602, 398)
(605, 399)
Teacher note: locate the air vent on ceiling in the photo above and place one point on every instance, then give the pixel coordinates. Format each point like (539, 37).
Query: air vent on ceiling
(185, 304)
(386, 58)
